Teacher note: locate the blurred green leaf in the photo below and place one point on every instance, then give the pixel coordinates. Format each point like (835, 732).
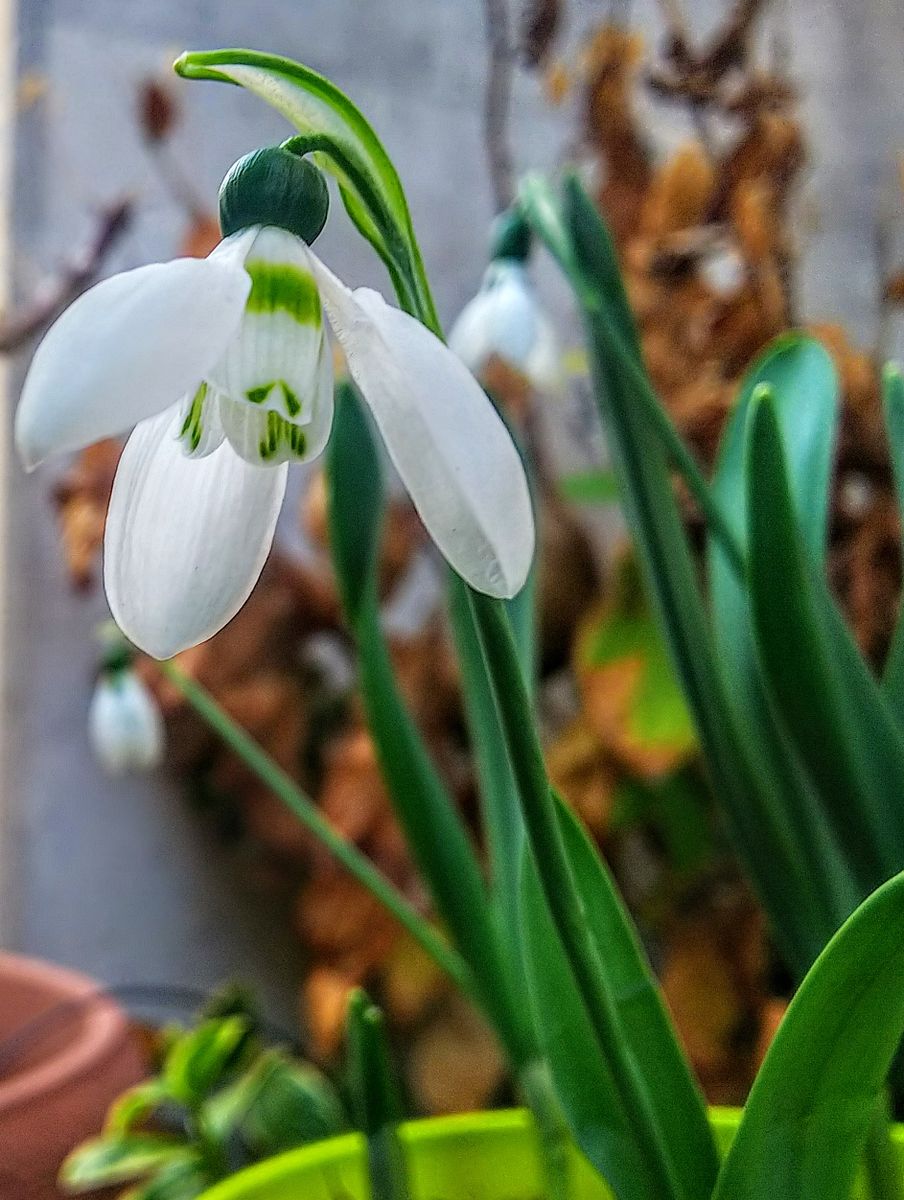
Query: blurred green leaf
(590, 487)
(276, 1105)
(296, 1105)
(820, 1087)
(177, 1181)
(824, 691)
(677, 809)
(135, 1106)
(628, 637)
(201, 1058)
(115, 1159)
(374, 1096)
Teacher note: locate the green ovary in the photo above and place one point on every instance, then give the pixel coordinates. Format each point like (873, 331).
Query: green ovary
(279, 287)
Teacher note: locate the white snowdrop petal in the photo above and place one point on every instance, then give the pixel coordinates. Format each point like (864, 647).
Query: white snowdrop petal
(263, 438)
(128, 348)
(448, 443)
(186, 539)
(125, 726)
(272, 361)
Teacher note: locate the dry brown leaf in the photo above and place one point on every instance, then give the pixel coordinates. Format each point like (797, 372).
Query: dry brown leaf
(410, 983)
(456, 1064)
(81, 498)
(201, 236)
(681, 192)
(324, 1000)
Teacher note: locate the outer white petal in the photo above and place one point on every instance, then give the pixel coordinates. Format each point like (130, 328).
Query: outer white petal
(186, 539)
(125, 727)
(126, 349)
(449, 444)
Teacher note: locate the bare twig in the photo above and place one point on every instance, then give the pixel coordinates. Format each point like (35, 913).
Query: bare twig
(497, 102)
(32, 319)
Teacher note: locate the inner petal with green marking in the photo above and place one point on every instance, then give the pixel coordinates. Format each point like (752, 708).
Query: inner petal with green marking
(275, 361)
(200, 431)
(283, 287)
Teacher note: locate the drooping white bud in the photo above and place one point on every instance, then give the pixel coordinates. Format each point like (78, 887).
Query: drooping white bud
(125, 727)
(504, 320)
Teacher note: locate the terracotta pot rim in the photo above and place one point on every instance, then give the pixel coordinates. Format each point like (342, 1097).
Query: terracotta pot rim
(102, 1026)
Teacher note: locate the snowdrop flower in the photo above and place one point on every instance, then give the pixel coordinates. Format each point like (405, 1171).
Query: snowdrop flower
(125, 727)
(505, 320)
(224, 368)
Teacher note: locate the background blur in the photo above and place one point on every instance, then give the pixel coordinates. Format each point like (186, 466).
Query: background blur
(125, 879)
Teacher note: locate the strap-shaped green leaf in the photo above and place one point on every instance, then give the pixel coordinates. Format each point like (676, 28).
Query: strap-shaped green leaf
(433, 828)
(345, 144)
(576, 236)
(893, 403)
(804, 383)
(374, 1097)
(825, 694)
(819, 1089)
(581, 1073)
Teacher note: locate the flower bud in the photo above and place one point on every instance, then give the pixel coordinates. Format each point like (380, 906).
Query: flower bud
(273, 186)
(125, 727)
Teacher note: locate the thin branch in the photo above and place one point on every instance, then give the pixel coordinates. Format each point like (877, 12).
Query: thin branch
(20, 326)
(497, 102)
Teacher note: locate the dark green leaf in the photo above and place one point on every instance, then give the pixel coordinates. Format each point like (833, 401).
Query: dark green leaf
(375, 1100)
(583, 1081)
(893, 398)
(275, 1106)
(432, 825)
(582, 1076)
(803, 381)
(579, 240)
(184, 1180)
(823, 690)
(820, 1087)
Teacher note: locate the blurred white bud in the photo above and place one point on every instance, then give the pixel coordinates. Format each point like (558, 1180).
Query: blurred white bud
(125, 727)
(505, 321)
(724, 271)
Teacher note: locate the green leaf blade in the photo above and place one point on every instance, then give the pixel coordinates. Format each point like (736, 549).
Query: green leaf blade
(433, 827)
(818, 1091)
(826, 696)
(578, 239)
(803, 381)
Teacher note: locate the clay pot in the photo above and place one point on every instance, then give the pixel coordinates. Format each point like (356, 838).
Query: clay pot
(65, 1054)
